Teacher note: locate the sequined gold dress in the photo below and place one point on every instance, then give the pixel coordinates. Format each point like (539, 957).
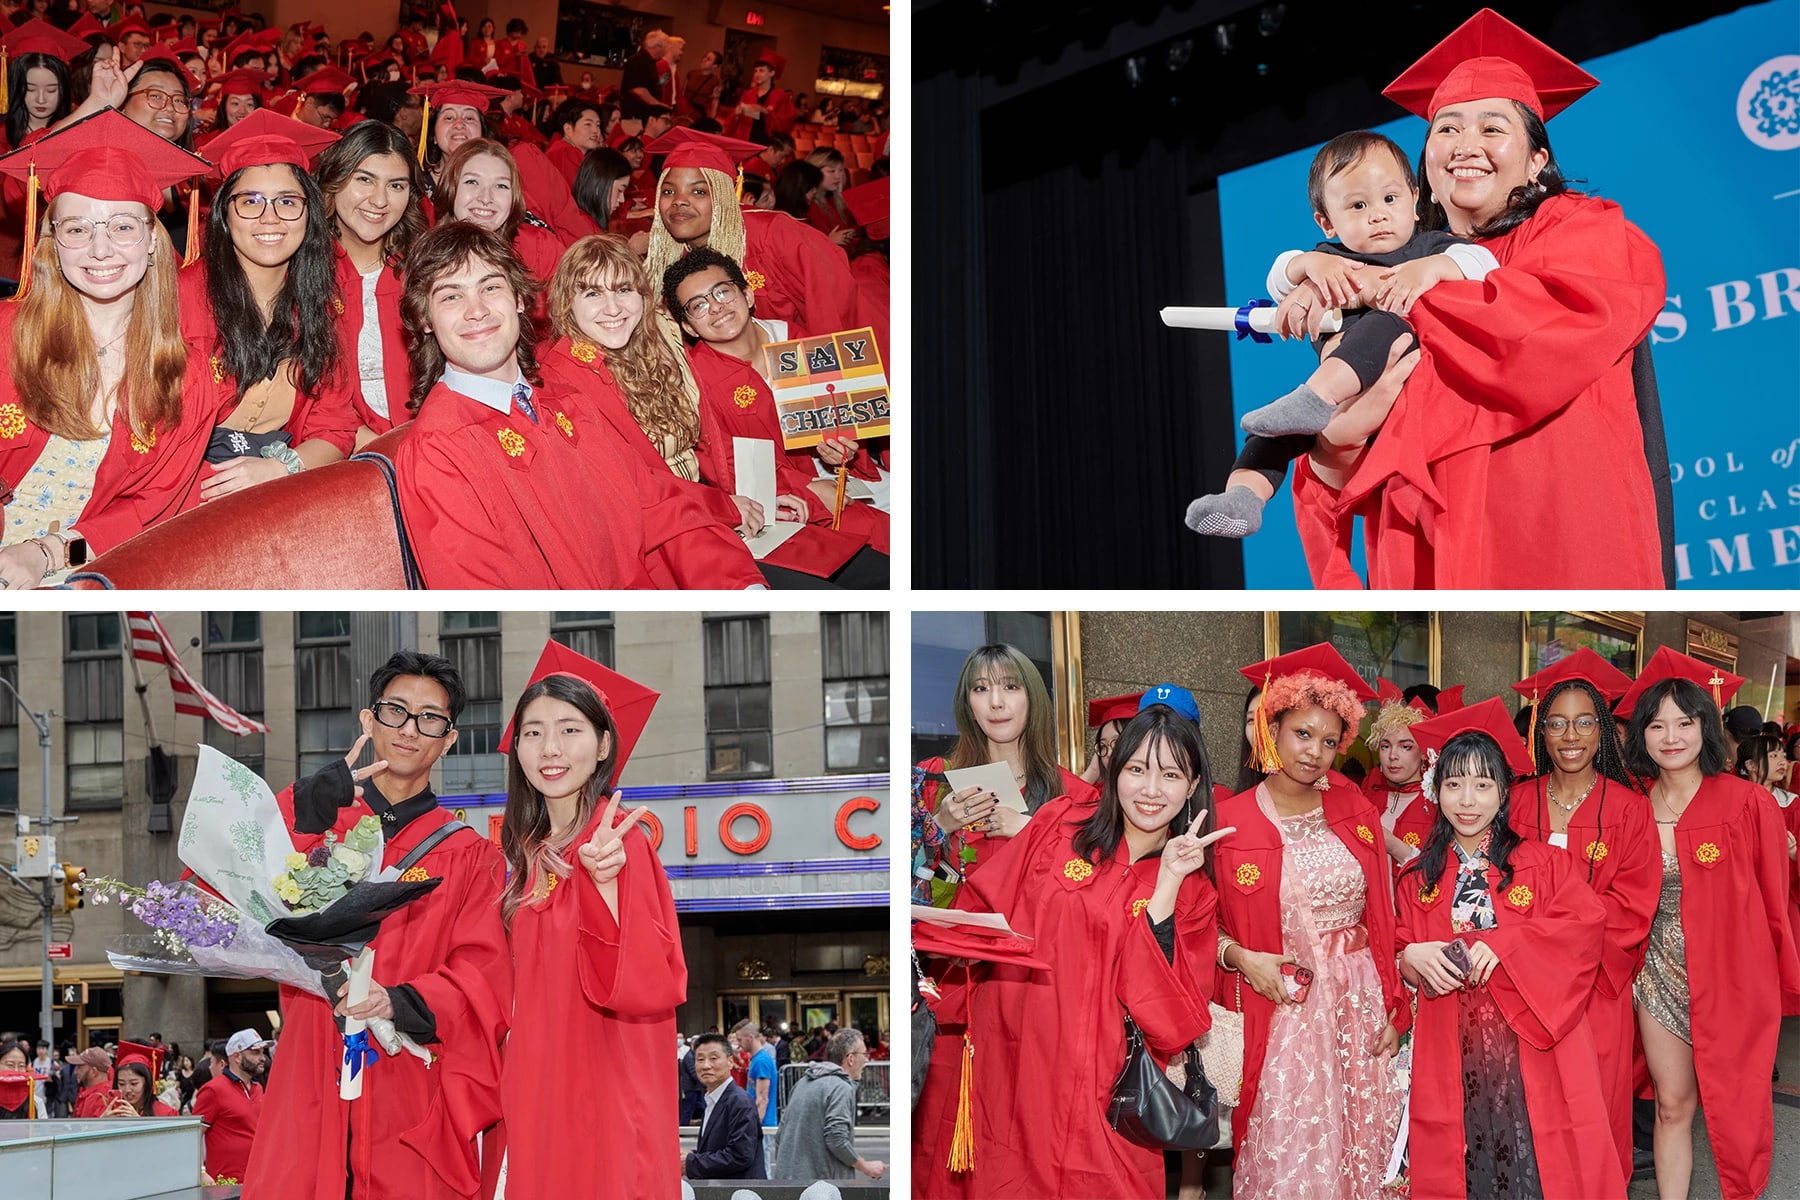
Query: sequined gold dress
(1327, 1109)
(1661, 988)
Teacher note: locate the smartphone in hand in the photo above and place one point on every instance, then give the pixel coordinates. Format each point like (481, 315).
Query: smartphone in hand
(1297, 980)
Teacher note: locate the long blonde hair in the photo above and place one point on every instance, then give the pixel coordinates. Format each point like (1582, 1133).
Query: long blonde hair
(652, 371)
(726, 235)
(55, 365)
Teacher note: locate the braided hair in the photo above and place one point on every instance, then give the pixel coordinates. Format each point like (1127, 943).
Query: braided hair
(1609, 755)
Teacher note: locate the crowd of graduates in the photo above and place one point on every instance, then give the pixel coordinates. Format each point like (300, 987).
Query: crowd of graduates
(1463, 977)
(234, 251)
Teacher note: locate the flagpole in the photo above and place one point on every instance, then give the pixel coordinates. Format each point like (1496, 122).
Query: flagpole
(137, 676)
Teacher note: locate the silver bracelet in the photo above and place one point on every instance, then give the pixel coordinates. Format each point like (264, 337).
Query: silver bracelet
(287, 456)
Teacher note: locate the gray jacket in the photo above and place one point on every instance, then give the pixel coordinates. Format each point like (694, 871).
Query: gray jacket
(818, 1125)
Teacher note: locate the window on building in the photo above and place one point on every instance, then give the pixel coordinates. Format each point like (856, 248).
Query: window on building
(325, 699)
(941, 642)
(855, 671)
(232, 670)
(739, 732)
(603, 35)
(471, 640)
(9, 713)
(589, 633)
(94, 711)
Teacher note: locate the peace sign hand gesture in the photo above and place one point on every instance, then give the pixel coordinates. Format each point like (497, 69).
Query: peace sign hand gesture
(603, 855)
(358, 774)
(1185, 853)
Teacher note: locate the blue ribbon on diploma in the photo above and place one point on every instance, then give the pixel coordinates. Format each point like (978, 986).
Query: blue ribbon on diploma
(1242, 321)
(358, 1053)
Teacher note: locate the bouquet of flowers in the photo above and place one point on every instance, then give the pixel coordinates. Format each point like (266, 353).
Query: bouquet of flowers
(257, 908)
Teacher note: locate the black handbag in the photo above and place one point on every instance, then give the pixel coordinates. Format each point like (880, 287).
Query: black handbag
(1147, 1108)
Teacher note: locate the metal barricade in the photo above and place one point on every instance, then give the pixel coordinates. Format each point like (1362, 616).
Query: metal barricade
(872, 1097)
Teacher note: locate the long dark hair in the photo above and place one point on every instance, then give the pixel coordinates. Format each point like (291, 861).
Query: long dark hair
(18, 116)
(1609, 755)
(146, 1104)
(792, 185)
(997, 662)
(1248, 776)
(600, 169)
(440, 250)
(1523, 201)
(339, 160)
(1168, 735)
(1694, 701)
(1754, 752)
(525, 829)
(301, 328)
(1471, 752)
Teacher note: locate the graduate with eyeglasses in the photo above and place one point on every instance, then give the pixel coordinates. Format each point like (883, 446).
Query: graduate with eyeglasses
(442, 974)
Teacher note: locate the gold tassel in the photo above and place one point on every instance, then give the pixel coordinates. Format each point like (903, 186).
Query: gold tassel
(31, 235)
(1717, 681)
(1531, 731)
(1262, 740)
(424, 128)
(193, 229)
(962, 1141)
(5, 92)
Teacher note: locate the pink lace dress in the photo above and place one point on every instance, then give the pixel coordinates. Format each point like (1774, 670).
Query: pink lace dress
(1327, 1108)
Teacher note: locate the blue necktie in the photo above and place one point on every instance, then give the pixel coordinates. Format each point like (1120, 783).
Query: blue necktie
(522, 398)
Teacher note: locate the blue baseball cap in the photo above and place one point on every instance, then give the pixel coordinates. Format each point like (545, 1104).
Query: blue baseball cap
(1171, 695)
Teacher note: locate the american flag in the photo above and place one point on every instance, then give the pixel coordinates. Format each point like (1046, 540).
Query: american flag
(150, 643)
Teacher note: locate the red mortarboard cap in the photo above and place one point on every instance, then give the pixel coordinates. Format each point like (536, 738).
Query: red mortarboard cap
(1607, 679)
(1450, 699)
(208, 23)
(244, 43)
(1112, 708)
(1322, 659)
(683, 147)
(448, 12)
(270, 38)
(264, 138)
(163, 54)
(975, 943)
(106, 156)
(85, 26)
(772, 60)
(869, 205)
(478, 96)
(239, 83)
(1387, 690)
(1719, 683)
(186, 46)
(130, 25)
(41, 37)
(325, 79)
(1489, 717)
(150, 1056)
(629, 701)
(377, 61)
(1488, 55)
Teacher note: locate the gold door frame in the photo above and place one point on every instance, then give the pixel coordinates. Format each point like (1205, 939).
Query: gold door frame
(1631, 623)
(1434, 642)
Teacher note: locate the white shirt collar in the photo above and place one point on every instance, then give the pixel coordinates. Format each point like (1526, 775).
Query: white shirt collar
(492, 393)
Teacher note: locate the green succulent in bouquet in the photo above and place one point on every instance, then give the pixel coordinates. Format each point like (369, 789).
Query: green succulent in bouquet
(323, 875)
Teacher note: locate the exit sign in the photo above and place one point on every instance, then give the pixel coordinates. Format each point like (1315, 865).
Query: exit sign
(60, 950)
(752, 17)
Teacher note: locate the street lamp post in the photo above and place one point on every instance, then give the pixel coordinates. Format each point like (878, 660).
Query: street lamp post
(42, 723)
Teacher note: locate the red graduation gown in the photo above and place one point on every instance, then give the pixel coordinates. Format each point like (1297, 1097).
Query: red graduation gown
(413, 1132)
(1248, 868)
(1074, 787)
(565, 156)
(1549, 936)
(1525, 379)
(395, 364)
(1414, 823)
(139, 482)
(567, 511)
(735, 402)
(779, 115)
(1613, 832)
(95, 1100)
(798, 276)
(549, 196)
(1741, 966)
(604, 990)
(1049, 1044)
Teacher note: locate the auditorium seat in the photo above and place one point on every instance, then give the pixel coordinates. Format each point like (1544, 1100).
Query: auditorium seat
(335, 527)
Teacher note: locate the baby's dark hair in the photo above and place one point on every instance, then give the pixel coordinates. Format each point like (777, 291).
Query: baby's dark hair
(1345, 151)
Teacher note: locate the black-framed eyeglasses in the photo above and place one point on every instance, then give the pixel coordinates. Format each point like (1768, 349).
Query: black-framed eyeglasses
(1559, 725)
(158, 100)
(249, 206)
(699, 306)
(395, 715)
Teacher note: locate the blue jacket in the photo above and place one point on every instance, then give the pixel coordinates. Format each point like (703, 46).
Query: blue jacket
(731, 1145)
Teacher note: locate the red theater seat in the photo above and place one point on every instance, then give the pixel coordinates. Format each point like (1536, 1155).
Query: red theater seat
(331, 528)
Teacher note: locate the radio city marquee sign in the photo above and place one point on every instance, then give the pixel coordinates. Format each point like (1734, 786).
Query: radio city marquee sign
(758, 844)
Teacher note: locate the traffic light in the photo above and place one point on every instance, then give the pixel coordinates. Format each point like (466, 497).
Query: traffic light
(71, 883)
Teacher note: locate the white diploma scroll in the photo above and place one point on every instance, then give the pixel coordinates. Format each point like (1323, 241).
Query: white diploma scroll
(362, 972)
(755, 459)
(1262, 320)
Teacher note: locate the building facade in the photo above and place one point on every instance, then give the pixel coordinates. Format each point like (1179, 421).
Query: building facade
(765, 766)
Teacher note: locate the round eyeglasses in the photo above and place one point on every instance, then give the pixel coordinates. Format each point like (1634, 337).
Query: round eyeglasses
(77, 233)
(395, 715)
(159, 100)
(699, 306)
(1560, 725)
(249, 206)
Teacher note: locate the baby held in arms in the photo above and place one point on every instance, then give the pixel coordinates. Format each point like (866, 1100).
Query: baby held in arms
(1364, 195)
